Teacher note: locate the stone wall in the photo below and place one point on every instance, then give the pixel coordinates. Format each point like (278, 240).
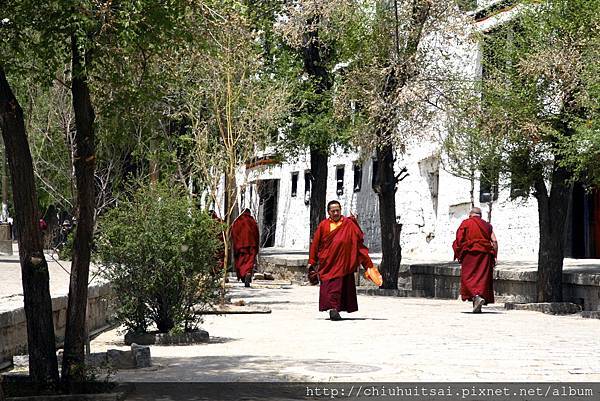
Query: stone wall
(443, 281)
(13, 325)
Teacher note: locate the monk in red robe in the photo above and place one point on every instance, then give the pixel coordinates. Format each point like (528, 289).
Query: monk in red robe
(338, 248)
(476, 248)
(244, 235)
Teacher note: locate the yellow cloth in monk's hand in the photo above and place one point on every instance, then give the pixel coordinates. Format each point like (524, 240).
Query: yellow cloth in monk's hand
(333, 225)
(373, 274)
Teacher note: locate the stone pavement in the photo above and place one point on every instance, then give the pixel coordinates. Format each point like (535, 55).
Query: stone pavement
(11, 288)
(388, 339)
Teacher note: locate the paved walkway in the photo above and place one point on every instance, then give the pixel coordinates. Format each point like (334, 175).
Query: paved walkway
(11, 288)
(388, 339)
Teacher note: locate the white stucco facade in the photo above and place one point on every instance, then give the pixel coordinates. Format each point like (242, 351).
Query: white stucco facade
(430, 201)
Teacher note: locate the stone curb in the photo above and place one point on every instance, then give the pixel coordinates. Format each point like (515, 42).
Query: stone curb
(594, 314)
(200, 336)
(385, 292)
(551, 308)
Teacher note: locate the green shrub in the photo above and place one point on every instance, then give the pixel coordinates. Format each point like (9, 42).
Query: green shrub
(158, 253)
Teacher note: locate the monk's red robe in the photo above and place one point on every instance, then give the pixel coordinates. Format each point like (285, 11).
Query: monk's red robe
(244, 235)
(474, 250)
(338, 253)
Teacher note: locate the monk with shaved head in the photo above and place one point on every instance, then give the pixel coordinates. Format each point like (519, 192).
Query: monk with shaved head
(476, 247)
(338, 249)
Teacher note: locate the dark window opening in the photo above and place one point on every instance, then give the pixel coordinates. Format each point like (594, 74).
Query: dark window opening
(488, 186)
(357, 177)
(375, 172)
(307, 179)
(519, 180)
(294, 183)
(339, 178)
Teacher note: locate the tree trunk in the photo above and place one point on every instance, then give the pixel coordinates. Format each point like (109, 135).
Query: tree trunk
(318, 188)
(84, 163)
(4, 189)
(385, 187)
(43, 367)
(552, 214)
(231, 212)
(315, 67)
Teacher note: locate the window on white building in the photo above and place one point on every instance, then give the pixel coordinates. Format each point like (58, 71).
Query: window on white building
(339, 179)
(488, 186)
(357, 167)
(294, 183)
(519, 166)
(375, 172)
(307, 179)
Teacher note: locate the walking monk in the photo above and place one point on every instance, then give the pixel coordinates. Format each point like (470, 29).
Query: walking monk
(244, 235)
(338, 249)
(476, 248)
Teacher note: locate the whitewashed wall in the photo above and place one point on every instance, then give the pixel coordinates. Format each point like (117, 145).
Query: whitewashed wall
(429, 211)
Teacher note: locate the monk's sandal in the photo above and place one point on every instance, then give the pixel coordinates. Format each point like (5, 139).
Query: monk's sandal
(477, 304)
(334, 315)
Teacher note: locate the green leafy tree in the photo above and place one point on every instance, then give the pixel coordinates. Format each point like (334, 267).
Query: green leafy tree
(230, 104)
(158, 253)
(540, 97)
(308, 50)
(395, 84)
(39, 39)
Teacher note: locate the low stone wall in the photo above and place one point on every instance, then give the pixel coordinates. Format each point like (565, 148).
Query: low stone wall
(443, 281)
(13, 326)
(284, 268)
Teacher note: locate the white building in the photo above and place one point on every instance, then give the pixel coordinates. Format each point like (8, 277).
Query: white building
(430, 201)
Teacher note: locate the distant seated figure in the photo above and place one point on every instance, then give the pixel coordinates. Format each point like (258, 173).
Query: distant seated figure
(476, 247)
(245, 238)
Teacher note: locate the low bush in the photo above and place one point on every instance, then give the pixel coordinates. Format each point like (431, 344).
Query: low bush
(158, 252)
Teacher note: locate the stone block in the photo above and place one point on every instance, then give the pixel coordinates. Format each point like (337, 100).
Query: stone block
(141, 356)
(592, 314)
(96, 359)
(6, 247)
(120, 359)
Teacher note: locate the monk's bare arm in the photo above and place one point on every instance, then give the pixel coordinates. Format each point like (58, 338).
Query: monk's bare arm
(494, 242)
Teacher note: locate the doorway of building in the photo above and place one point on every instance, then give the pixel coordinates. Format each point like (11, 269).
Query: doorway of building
(268, 193)
(583, 233)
